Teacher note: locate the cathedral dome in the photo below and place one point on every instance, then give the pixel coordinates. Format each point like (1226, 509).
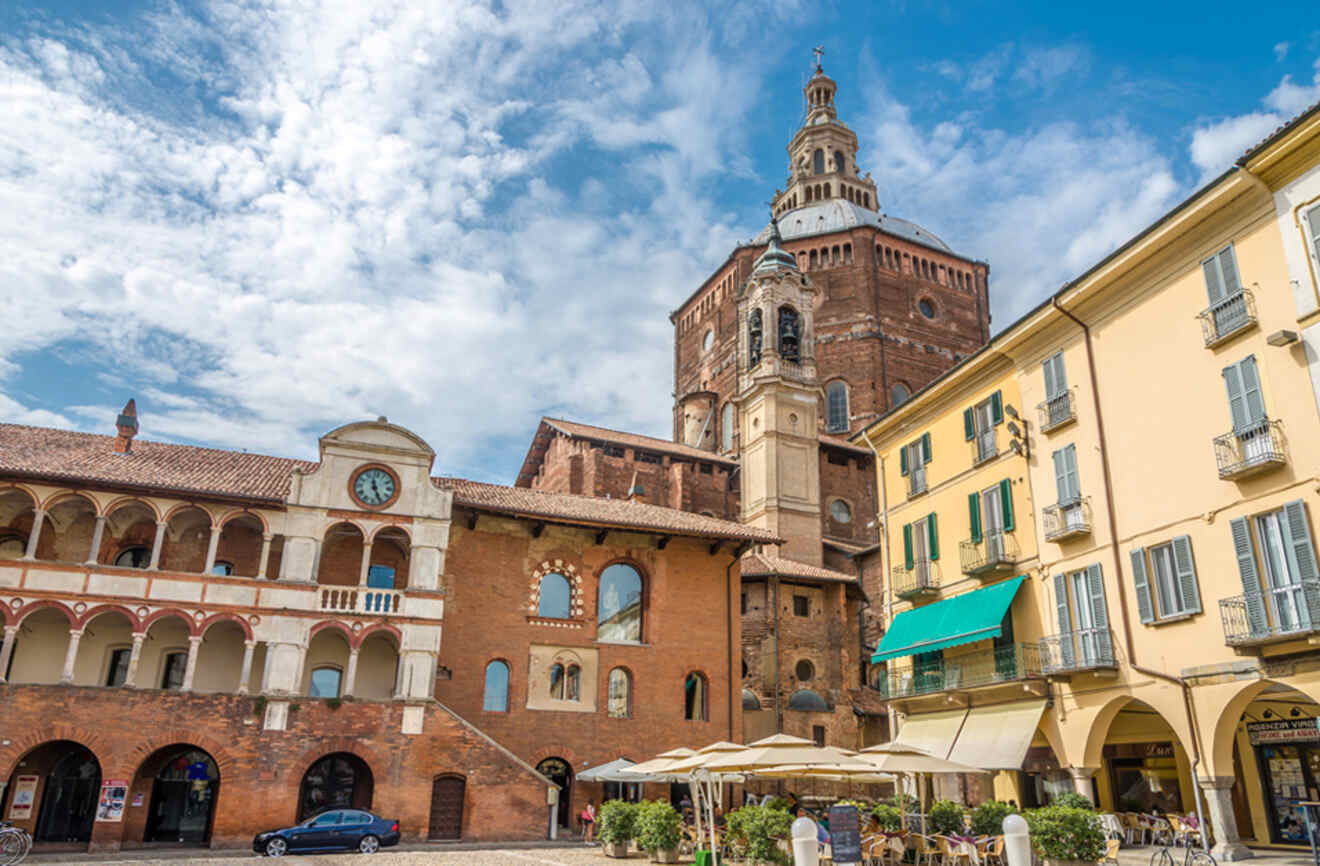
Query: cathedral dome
(838, 214)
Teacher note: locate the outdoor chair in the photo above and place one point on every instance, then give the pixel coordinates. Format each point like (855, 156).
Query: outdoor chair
(1136, 830)
(954, 852)
(993, 852)
(925, 848)
(1111, 851)
(1161, 831)
(1113, 826)
(1183, 832)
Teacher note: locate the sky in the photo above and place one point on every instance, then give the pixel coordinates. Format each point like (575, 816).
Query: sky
(263, 220)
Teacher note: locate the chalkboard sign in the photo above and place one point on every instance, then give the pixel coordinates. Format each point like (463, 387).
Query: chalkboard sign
(845, 834)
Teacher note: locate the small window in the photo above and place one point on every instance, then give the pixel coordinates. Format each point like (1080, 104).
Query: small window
(706, 469)
(818, 161)
(836, 459)
(801, 605)
(573, 683)
(927, 308)
(325, 683)
(694, 698)
(222, 569)
(818, 735)
(898, 395)
(726, 427)
(134, 557)
(612, 451)
(619, 705)
(805, 671)
(646, 457)
(619, 608)
(171, 678)
(840, 511)
(836, 407)
(554, 598)
(708, 341)
(496, 699)
(117, 671)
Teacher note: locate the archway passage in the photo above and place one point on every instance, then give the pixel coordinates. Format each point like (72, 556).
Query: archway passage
(183, 791)
(447, 807)
(560, 772)
(338, 781)
(59, 781)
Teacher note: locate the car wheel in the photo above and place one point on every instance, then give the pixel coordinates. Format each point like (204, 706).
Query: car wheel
(369, 845)
(277, 847)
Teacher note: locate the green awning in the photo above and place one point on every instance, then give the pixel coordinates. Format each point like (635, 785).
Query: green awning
(972, 616)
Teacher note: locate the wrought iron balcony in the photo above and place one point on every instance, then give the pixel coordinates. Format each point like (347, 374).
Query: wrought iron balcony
(1058, 410)
(1067, 519)
(994, 553)
(984, 446)
(916, 481)
(919, 581)
(1250, 451)
(964, 670)
(1283, 613)
(1228, 317)
(1075, 651)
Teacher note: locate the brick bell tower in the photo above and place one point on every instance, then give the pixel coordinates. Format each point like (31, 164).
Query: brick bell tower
(777, 399)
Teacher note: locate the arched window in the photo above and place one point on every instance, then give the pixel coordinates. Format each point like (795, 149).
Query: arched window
(754, 337)
(826, 190)
(619, 609)
(838, 160)
(325, 683)
(573, 683)
(847, 254)
(836, 407)
(134, 557)
(898, 395)
(557, 681)
(818, 161)
(807, 701)
(694, 698)
(496, 699)
(619, 705)
(726, 428)
(554, 597)
(790, 348)
(812, 266)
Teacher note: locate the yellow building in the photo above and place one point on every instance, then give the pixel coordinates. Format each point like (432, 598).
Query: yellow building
(1164, 490)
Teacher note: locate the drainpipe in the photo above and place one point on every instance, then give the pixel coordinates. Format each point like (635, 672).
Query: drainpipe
(1118, 572)
(779, 711)
(883, 517)
(728, 617)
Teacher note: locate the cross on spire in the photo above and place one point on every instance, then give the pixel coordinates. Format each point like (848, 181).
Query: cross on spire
(818, 51)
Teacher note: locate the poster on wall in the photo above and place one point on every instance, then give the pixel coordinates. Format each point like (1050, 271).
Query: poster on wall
(111, 805)
(25, 793)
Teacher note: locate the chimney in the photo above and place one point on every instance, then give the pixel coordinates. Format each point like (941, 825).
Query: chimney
(635, 489)
(127, 425)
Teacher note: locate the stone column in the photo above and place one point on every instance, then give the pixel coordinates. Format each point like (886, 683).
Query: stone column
(211, 546)
(93, 555)
(1081, 779)
(1223, 824)
(134, 656)
(190, 670)
(350, 675)
(265, 555)
(366, 564)
(71, 656)
(38, 519)
(398, 676)
(156, 545)
(245, 673)
(7, 649)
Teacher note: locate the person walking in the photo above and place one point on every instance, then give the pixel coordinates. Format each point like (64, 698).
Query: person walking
(588, 818)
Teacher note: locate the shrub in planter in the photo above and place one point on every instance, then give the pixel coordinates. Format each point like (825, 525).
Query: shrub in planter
(904, 802)
(759, 829)
(658, 830)
(1073, 800)
(616, 826)
(1063, 833)
(890, 817)
(988, 818)
(780, 803)
(946, 817)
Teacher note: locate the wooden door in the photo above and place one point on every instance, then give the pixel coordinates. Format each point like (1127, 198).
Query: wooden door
(447, 807)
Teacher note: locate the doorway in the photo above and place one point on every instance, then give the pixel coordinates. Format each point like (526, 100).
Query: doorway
(68, 803)
(182, 797)
(447, 807)
(340, 780)
(560, 772)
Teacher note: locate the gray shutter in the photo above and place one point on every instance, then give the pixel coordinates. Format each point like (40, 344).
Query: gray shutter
(1142, 582)
(1060, 375)
(1070, 465)
(1254, 402)
(1051, 387)
(1246, 557)
(1237, 404)
(1214, 286)
(1302, 556)
(1061, 475)
(1095, 588)
(1182, 561)
(1228, 270)
(1065, 620)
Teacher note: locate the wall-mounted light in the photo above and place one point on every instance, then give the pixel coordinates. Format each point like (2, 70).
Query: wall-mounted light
(1013, 429)
(1010, 411)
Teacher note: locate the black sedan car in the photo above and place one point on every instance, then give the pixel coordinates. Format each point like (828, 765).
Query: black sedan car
(336, 830)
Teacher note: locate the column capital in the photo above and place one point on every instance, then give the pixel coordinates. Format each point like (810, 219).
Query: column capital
(267, 537)
(11, 629)
(248, 643)
(194, 638)
(75, 632)
(1082, 772)
(1216, 783)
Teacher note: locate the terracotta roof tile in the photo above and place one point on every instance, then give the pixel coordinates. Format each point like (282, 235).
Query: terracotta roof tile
(767, 564)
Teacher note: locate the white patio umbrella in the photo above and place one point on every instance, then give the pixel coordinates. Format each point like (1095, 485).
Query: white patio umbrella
(688, 767)
(895, 757)
(661, 763)
(779, 751)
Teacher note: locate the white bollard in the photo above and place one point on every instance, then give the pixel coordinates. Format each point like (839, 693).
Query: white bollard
(805, 849)
(1017, 841)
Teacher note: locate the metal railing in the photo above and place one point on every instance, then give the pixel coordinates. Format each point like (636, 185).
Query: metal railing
(984, 446)
(1251, 450)
(1003, 664)
(1080, 650)
(360, 599)
(1284, 612)
(921, 579)
(1221, 320)
(916, 480)
(1057, 410)
(994, 552)
(1067, 519)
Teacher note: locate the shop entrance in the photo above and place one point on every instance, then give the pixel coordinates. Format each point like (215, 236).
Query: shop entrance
(68, 798)
(560, 772)
(338, 781)
(183, 795)
(1279, 733)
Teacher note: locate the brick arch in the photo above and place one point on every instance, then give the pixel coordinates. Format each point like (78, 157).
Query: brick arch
(564, 752)
(33, 606)
(243, 512)
(64, 495)
(228, 617)
(380, 628)
(185, 506)
(225, 761)
(388, 526)
(22, 488)
(108, 608)
(23, 744)
(376, 762)
(116, 504)
(345, 521)
(569, 571)
(164, 613)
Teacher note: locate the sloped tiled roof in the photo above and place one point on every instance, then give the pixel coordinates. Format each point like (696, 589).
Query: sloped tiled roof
(549, 426)
(767, 564)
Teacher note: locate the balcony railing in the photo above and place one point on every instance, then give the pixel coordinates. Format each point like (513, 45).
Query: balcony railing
(1282, 613)
(920, 580)
(993, 553)
(1081, 650)
(984, 446)
(965, 670)
(1068, 519)
(916, 480)
(1057, 410)
(1230, 316)
(1250, 451)
(361, 599)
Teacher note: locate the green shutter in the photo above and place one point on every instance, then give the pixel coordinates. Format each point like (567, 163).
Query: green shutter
(1255, 403)
(1006, 503)
(1214, 285)
(1095, 587)
(1301, 556)
(974, 512)
(1228, 269)
(1246, 557)
(1237, 404)
(969, 425)
(1066, 653)
(933, 535)
(1051, 387)
(996, 408)
(925, 448)
(1142, 582)
(903, 460)
(1186, 569)
(907, 546)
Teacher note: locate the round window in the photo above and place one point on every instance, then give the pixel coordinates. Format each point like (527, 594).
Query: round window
(805, 671)
(926, 307)
(708, 341)
(840, 511)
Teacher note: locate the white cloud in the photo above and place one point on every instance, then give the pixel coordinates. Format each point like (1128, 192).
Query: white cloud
(1281, 51)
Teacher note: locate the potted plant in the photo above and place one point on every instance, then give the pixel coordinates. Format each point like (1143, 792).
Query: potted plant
(1066, 836)
(658, 830)
(617, 826)
(946, 818)
(758, 830)
(889, 817)
(988, 818)
(1074, 800)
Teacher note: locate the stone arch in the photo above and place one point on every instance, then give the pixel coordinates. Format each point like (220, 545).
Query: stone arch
(1166, 702)
(101, 609)
(67, 531)
(187, 538)
(215, 618)
(130, 524)
(340, 560)
(569, 571)
(115, 504)
(180, 507)
(241, 538)
(380, 628)
(32, 607)
(1223, 729)
(167, 612)
(18, 511)
(332, 624)
(60, 496)
(391, 556)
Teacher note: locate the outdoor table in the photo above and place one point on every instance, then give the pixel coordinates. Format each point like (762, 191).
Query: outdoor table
(1312, 824)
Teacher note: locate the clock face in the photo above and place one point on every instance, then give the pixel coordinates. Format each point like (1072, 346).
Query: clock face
(374, 486)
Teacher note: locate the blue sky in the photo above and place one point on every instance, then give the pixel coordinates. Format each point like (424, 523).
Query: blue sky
(264, 219)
